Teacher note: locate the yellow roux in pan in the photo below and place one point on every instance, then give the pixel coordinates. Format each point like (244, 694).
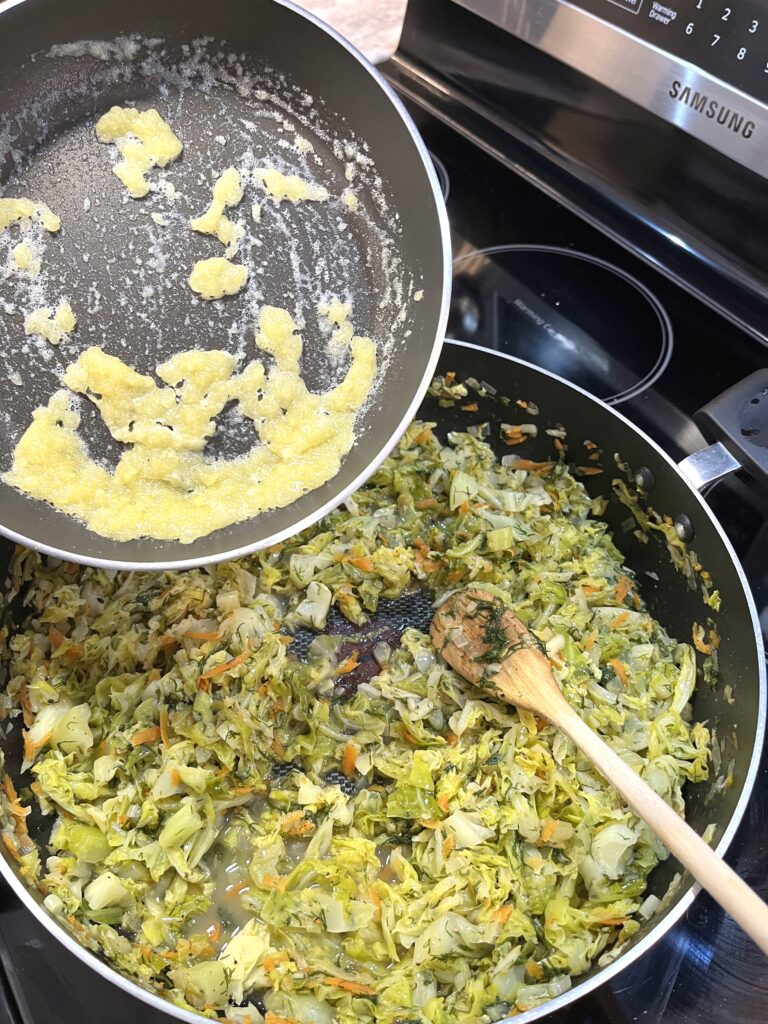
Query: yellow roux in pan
(163, 486)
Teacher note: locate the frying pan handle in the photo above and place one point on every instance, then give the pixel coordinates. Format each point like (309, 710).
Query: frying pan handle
(737, 422)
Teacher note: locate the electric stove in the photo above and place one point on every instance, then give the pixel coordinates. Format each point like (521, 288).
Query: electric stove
(582, 283)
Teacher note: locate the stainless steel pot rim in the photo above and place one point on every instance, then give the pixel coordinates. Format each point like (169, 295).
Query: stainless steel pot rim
(604, 974)
(389, 444)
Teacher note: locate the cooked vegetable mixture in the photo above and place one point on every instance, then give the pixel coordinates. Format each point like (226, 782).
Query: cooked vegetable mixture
(253, 835)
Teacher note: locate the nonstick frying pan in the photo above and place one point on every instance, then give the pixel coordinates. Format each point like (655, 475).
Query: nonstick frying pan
(672, 598)
(249, 83)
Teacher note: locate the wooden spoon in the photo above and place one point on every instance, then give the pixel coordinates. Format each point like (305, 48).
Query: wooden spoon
(486, 643)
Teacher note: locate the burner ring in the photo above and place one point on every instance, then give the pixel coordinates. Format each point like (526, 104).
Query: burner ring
(443, 176)
(567, 311)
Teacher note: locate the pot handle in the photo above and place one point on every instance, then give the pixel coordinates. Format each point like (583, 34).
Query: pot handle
(737, 424)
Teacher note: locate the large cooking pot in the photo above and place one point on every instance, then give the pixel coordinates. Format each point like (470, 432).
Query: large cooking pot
(672, 596)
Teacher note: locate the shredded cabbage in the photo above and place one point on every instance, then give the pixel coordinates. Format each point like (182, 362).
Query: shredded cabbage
(236, 826)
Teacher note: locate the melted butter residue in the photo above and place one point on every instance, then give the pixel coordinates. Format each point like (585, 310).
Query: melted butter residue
(289, 186)
(163, 486)
(228, 191)
(25, 259)
(51, 326)
(144, 141)
(16, 211)
(216, 277)
(350, 200)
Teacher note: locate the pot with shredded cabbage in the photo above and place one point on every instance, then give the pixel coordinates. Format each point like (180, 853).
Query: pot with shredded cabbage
(264, 807)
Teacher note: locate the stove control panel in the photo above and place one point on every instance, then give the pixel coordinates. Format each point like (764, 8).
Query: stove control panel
(699, 64)
(728, 40)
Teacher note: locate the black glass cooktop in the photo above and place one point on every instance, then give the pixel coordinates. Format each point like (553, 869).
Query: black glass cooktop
(534, 280)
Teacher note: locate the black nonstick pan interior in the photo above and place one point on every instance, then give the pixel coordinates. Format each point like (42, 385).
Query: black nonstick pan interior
(246, 84)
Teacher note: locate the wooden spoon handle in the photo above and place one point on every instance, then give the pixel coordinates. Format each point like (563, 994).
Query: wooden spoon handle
(733, 894)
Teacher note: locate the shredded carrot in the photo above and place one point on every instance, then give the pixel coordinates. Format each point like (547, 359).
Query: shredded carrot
(535, 970)
(214, 931)
(442, 802)
(451, 738)
(295, 824)
(469, 407)
(425, 503)
(274, 882)
(270, 962)
(175, 777)
(11, 845)
(225, 666)
(502, 914)
(153, 675)
(589, 643)
(622, 588)
(513, 436)
(698, 640)
(31, 748)
(56, 637)
(26, 706)
(355, 987)
(18, 810)
(620, 669)
(165, 736)
(589, 589)
(532, 467)
(620, 619)
(361, 562)
(410, 739)
(559, 445)
(425, 562)
(349, 665)
(423, 436)
(590, 470)
(149, 735)
(548, 830)
(426, 823)
(215, 635)
(242, 790)
(275, 1018)
(348, 759)
(277, 746)
(376, 901)
(74, 653)
(450, 377)
(448, 844)
(614, 921)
